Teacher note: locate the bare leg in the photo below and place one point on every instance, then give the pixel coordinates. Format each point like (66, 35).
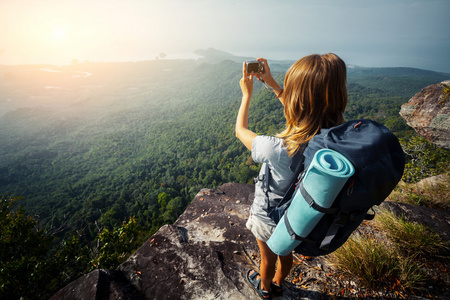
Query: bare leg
(283, 269)
(267, 266)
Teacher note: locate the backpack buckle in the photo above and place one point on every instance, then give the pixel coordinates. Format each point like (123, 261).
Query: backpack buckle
(259, 178)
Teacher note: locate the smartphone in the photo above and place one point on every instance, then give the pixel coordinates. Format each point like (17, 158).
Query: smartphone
(253, 66)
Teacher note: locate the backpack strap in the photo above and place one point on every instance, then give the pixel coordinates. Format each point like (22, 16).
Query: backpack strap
(319, 208)
(314, 204)
(266, 189)
(340, 221)
(297, 168)
(291, 231)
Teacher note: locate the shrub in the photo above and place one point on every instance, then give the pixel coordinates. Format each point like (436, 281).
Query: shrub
(115, 246)
(424, 159)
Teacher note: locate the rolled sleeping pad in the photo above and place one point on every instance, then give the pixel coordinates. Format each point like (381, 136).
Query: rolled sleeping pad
(324, 179)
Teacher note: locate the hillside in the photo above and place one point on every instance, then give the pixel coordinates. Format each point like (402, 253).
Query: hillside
(109, 140)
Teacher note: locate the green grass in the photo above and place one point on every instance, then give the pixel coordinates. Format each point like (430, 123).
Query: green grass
(412, 238)
(426, 193)
(397, 263)
(377, 264)
(365, 258)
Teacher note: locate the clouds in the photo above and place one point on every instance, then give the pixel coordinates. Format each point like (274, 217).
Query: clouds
(370, 33)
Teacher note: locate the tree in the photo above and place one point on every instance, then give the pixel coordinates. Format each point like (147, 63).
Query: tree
(424, 159)
(114, 246)
(23, 253)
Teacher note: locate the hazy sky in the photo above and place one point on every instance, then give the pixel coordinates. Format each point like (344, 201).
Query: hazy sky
(380, 33)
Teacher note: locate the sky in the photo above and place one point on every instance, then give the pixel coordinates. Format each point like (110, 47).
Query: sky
(380, 33)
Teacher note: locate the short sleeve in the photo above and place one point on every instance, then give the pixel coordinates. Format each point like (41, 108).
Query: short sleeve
(264, 148)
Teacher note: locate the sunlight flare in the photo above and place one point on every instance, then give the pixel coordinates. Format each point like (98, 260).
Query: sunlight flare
(59, 33)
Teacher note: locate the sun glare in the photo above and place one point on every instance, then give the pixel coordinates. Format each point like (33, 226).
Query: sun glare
(58, 34)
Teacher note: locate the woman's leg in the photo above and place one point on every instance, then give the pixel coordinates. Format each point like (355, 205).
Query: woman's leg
(267, 265)
(283, 269)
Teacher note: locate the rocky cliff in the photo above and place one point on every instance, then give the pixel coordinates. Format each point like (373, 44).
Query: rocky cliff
(201, 256)
(207, 251)
(428, 112)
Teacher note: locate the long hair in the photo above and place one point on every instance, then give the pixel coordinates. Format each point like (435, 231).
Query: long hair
(315, 97)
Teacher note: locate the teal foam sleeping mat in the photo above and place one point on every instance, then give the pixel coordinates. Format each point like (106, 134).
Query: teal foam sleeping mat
(323, 180)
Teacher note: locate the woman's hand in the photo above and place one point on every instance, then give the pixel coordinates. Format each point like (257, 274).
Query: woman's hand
(246, 82)
(267, 78)
(266, 75)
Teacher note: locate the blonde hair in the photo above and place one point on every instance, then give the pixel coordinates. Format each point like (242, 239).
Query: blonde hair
(315, 97)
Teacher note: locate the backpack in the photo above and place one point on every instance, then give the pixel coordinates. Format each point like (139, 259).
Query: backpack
(378, 160)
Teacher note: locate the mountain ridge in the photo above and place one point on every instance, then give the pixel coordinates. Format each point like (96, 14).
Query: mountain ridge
(211, 56)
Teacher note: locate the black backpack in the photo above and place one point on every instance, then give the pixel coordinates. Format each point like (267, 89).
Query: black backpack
(379, 161)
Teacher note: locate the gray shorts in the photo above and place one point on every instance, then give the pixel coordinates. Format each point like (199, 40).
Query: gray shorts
(260, 229)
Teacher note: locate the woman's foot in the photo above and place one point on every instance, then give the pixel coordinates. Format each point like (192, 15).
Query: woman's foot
(254, 279)
(276, 290)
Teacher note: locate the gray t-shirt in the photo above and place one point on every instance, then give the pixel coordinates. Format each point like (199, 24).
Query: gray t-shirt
(270, 150)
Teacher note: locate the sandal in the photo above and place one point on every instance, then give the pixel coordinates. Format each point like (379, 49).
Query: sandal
(277, 291)
(256, 284)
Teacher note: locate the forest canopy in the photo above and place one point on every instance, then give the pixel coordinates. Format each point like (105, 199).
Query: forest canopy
(107, 141)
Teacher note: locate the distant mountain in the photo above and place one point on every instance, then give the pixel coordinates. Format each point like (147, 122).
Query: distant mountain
(212, 55)
(368, 76)
(400, 81)
(363, 73)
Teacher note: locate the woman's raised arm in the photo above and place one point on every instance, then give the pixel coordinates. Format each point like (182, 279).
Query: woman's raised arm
(245, 135)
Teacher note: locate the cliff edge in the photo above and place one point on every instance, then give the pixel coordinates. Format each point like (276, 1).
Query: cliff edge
(203, 255)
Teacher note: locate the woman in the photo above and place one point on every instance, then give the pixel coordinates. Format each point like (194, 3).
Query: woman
(314, 97)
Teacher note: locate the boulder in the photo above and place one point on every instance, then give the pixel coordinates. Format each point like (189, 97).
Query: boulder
(100, 284)
(428, 112)
(203, 255)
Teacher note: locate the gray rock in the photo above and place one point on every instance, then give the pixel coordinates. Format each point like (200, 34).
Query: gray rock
(99, 284)
(203, 255)
(429, 114)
